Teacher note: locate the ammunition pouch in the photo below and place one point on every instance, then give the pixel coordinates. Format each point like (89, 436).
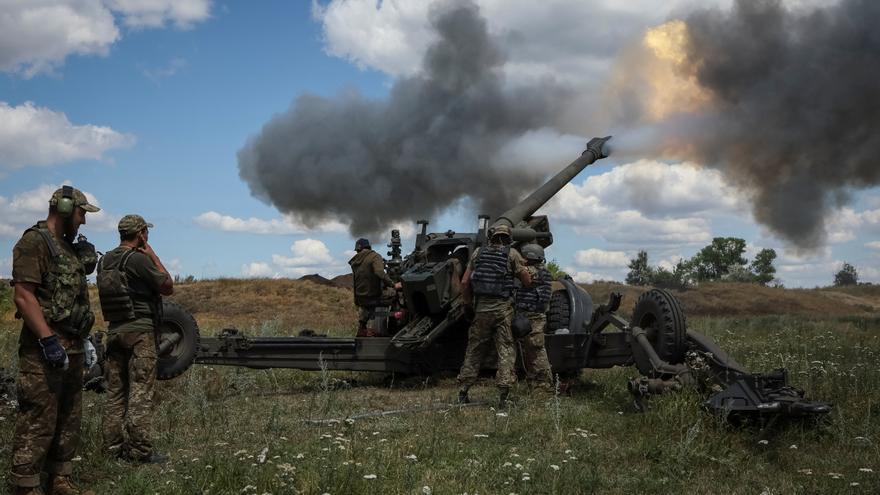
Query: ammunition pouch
(86, 253)
(520, 326)
(79, 324)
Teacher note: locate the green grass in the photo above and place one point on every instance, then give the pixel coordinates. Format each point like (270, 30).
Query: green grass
(234, 431)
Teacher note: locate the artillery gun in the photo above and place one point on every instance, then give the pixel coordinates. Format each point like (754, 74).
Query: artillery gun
(424, 327)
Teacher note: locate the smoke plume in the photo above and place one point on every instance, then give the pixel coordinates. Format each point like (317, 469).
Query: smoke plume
(433, 142)
(786, 103)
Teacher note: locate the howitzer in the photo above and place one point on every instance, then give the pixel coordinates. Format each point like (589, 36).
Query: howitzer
(424, 328)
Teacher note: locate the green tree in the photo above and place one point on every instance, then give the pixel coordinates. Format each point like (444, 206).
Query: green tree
(555, 270)
(715, 260)
(640, 273)
(846, 276)
(762, 266)
(6, 303)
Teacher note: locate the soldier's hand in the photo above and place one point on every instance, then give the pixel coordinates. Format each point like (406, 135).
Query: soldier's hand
(91, 354)
(53, 352)
(398, 286)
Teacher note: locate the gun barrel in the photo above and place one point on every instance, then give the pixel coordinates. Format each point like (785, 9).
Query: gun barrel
(596, 149)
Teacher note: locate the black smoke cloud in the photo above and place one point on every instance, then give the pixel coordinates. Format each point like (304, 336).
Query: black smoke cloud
(430, 144)
(797, 107)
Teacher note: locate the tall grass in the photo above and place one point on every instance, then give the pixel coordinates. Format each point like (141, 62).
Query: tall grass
(241, 431)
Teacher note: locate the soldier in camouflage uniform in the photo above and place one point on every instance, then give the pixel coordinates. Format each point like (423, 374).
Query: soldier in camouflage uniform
(131, 283)
(49, 274)
(489, 280)
(533, 302)
(368, 271)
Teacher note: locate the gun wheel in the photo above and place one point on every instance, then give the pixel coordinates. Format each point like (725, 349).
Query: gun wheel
(559, 314)
(659, 313)
(178, 341)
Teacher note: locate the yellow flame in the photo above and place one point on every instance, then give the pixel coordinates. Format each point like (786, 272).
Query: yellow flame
(673, 86)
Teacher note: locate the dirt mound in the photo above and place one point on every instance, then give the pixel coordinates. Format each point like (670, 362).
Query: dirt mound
(344, 281)
(317, 279)
(735, 299)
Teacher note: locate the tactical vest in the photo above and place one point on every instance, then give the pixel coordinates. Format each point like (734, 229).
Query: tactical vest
(535, 298)
(117, 298)
(63, 294)
(492, 275)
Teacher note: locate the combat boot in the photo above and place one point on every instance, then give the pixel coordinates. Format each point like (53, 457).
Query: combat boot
(64, 485)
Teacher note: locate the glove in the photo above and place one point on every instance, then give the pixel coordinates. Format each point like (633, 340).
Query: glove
(54, 352)
(91, 355)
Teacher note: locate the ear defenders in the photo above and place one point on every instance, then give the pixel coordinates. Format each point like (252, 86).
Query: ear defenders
(65, 205)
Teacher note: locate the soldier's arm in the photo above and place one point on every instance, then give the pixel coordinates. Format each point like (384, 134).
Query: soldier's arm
(379, 271)
(28, 306)
(519, 268)
(166, 288)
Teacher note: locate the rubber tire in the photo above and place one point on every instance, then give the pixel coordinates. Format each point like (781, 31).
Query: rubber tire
(659, 313)
(559, 314)
(176, 319)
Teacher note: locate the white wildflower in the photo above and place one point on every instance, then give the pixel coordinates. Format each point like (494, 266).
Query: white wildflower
(369, 476)
(763, 442)
(854, 483)
(481, 435)
(412, 457)
(866, 470)
(349, 421)
(554, 467)
(792, 447)
(835, 476)
(501, 414)
(426, 490)
(263, 453)
(507, 464)
(248, 488)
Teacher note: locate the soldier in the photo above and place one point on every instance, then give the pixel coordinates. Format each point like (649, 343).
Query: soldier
(368, 270)
(532, 302)
(489, 278)
(131, 283)
(49, 274)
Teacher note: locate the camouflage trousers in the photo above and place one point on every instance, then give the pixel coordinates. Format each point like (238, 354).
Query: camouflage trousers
(489, 327)
(534, 354)
(130, 370)
(47, 428)
(365, 315)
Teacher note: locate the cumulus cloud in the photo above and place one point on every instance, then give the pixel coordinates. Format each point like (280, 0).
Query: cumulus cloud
(601, 259)
(308, 256)
(306, 252)
(873, 245)
(284, 226)
(25, 208)
(647, 204)
(36, 36)
(257, 269)
(157, 74)
(32, 135)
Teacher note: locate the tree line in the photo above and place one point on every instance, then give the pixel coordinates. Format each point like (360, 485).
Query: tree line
(722, 260)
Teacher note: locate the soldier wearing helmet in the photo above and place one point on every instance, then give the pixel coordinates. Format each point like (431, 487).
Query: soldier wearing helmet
(533, 302)
(49, 275)
(131, 282)
(368, 270)
(489, 281)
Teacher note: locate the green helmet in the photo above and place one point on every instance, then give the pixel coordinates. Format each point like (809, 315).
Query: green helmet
(532, 252)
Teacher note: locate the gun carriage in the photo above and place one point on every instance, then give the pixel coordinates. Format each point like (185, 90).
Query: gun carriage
(424, 327)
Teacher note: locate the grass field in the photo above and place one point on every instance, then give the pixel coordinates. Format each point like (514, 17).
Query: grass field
(244, 431)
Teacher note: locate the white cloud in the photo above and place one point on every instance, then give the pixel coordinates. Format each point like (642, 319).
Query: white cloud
(26, 208)
(252, 225)
(31, 135)
(306, 252)
(257, 269)
(873, 245)
(6, 268)
(601, 259)
(845, 224)
(158, 13)
(36, 36)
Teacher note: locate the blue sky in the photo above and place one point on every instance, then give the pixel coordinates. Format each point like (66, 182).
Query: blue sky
(150, 119)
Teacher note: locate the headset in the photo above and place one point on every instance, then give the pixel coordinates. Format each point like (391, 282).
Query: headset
(65, 205)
